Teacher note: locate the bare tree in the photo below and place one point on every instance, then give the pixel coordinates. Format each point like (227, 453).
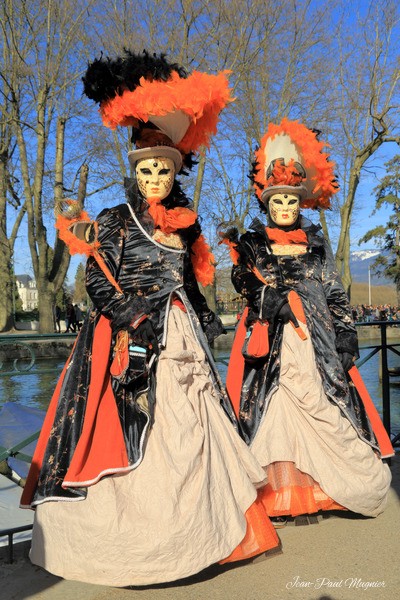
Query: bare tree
(274, 76)
(291, 58)
(10, 194)
(366, 105)
(9, 200)
(42, 70)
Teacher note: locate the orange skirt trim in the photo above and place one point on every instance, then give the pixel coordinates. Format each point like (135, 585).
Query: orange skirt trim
(291, 492)
(385, 445)
(234, 376)
(260, 535)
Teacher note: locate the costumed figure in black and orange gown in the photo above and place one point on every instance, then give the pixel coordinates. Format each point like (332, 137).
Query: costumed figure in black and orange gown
(140, 476)
(302, 406)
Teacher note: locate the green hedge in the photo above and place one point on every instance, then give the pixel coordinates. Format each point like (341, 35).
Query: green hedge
(27, 315)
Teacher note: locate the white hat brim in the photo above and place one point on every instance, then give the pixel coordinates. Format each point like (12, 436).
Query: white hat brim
(156, 152)
(299, 190)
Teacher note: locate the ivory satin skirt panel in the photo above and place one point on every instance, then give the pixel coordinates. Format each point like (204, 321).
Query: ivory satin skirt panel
(301, 426)
(181, 510)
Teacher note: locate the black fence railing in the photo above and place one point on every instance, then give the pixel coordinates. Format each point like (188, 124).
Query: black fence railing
(26, 360)
(386, 373)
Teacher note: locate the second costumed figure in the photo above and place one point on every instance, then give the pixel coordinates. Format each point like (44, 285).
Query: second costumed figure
(300, 401)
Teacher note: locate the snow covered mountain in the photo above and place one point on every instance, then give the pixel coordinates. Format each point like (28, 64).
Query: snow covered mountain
(360, 261)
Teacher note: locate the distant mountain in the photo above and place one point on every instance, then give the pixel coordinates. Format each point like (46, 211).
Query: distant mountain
(360, 261)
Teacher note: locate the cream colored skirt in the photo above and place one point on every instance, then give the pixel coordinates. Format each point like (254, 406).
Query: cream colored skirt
(301, 426)
(181, 510)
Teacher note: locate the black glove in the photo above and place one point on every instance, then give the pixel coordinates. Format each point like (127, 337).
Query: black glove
(212, 326)
(347, 360)
(144, 335)
(286, 314)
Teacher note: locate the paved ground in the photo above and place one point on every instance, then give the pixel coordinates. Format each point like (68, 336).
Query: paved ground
(341, 558)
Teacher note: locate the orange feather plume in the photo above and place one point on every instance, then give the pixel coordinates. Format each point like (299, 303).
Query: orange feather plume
(200, 96)
(203, 261)
(233, 253)
(75, 245)
(321, 183)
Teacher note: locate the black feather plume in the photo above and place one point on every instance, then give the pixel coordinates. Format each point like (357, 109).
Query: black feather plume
(105, 77)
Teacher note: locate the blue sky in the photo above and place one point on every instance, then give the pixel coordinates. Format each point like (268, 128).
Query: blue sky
(362, 219)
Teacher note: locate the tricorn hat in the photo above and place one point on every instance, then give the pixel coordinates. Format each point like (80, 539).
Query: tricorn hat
(291, 160)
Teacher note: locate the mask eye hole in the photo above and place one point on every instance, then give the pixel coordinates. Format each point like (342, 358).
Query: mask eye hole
(145, 171)
(164, 171)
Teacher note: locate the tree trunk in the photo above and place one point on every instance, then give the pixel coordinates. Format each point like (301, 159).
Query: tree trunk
(345, 215)
(6, 288)
(47, 299)
(210, 294)
(346, 277)
(346, 210)
(322, 220)
(6, 270)
(51, 283)
(199, 181)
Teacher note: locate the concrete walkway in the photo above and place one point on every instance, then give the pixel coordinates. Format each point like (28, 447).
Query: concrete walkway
(342, 558)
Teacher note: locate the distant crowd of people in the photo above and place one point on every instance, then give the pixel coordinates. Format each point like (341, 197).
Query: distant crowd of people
(73, 318)
(361, 313)
(382, 312)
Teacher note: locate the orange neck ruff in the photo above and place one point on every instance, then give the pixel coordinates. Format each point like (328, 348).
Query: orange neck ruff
(280, 236)
(169, 220)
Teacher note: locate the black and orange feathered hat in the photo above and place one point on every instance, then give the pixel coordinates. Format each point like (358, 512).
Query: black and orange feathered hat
(291, 159)
(171, 112)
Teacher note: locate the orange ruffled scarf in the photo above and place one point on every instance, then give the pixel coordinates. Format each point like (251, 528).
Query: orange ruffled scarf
(172, 219)
(280, 236)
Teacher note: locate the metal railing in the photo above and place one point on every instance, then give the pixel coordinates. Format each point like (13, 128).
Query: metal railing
(383, 348)
(24, 365)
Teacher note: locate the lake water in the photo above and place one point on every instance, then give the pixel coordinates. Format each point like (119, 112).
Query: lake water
(35, 388)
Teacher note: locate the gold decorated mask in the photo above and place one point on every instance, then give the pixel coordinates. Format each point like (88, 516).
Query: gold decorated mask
(155, 177)
(284, 209)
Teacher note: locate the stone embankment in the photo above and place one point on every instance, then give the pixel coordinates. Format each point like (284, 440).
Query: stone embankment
(59, 346)
(24, 348)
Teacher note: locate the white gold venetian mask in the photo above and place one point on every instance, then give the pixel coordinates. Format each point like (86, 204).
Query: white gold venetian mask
(155, 177)
(284, 209)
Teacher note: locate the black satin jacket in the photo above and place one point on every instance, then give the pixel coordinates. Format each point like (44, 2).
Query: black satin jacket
(149, 275)
(313, 276)
(148, 272)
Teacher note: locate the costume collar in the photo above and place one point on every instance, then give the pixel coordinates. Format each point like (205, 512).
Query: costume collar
(313, 232)
(283, 237)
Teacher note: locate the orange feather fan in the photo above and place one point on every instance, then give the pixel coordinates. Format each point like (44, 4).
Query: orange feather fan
(75, 245)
